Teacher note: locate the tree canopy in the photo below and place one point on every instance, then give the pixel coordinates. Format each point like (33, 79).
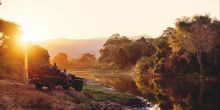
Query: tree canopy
(192, 46)
(200, 33)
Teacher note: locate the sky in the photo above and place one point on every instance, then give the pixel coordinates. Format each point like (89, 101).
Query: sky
(83, 19)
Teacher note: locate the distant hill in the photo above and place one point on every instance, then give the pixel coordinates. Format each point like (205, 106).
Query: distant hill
(76, 47)
(73, 47)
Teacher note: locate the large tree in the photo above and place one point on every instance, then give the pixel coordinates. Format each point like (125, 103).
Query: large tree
(200, 33)
(38, 59)
(11, 58)
(109, 53)
(9, 34)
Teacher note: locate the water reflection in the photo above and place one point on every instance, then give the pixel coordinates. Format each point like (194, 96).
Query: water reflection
(177, 94)
(120, 82)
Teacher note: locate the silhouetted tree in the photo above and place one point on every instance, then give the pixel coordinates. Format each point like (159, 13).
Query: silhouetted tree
(10, 53)
(38, 59)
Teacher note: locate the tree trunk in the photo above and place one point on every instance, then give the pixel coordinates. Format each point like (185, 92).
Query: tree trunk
(199, 59)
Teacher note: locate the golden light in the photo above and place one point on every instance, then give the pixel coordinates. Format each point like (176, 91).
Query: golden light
(24, 39)
(26, 59)
(28, 38)
(24, 43)
(31, 35)
(31, 32)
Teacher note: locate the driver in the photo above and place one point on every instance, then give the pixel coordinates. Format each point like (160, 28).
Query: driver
(54, 66)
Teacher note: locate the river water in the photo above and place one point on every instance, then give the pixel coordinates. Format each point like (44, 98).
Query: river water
(168, 93)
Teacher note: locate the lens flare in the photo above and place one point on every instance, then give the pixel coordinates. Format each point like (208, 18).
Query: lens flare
(26, 60)
(25, 39)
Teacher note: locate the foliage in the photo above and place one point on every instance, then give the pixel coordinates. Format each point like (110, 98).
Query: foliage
(87, 60)
(192, 46)
(38, 58)
(11, 59)
(113, 45)
(148, 65)
(125, 52)
(200, 33)
(61, 59)
(12, 54)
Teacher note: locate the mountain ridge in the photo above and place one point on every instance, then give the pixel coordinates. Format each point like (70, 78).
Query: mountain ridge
(74, 48)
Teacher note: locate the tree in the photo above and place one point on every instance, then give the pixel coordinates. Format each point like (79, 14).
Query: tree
(109, 53)
(200, 33)
(121, 59)
(38, 58)
(134, 51)
(61, 59)
(87, 60)
(117, 40)
(10, 53)
(9, 33)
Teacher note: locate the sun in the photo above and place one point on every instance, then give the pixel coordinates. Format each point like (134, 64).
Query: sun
(28, 38)
(25, 39)
(22, 41)
(32, 33)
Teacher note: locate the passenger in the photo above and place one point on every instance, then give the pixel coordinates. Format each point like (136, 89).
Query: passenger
(67, 74)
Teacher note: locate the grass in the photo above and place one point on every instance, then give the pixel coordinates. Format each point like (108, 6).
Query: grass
(102, 95)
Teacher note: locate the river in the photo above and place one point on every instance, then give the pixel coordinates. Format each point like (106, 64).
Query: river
(168, 93)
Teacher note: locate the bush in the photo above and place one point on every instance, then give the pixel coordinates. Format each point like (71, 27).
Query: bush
(148, 65)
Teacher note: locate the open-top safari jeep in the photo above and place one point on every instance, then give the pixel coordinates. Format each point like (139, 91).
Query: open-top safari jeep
(50, 77)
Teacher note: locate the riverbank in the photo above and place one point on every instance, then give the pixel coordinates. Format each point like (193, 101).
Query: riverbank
(19, 96)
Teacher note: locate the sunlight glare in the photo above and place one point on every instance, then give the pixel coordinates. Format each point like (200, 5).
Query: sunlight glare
(31, 32)
(25, 39)
(26, 60)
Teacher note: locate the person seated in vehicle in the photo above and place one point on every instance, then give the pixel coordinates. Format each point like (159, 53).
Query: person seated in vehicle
(67, 74)
(70, 76)
(54, 66)
(54, 69)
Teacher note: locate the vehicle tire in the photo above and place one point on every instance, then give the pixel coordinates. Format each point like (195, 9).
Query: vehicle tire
(78, 87)
(66, 87)
(38, 86)
(51, 86)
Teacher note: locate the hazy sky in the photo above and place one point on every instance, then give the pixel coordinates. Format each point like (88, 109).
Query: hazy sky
(45, 19)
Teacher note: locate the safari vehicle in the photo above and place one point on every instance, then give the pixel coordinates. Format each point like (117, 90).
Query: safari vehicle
(51, 78)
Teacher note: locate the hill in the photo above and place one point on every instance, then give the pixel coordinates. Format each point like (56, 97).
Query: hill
(76, 47)
(73, 47)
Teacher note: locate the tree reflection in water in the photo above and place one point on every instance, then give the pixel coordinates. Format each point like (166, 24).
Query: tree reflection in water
(180, 94)
(169, 93)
